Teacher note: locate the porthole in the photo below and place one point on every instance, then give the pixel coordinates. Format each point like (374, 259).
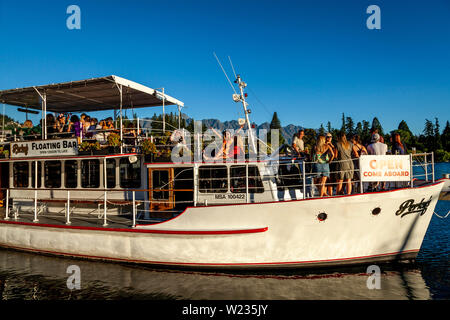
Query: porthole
(322, 216)
(376, 211)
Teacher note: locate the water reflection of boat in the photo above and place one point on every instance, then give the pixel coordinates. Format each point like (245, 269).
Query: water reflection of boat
(19, 271)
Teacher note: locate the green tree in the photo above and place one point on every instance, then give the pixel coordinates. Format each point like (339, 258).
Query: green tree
(403, 126)
(359, 129)
(445, 137)
(365, 136)
(437, 135)
(405, 134)
(377, 125)
(7, 119)
(309, 138)
(276, 124)
(428, 136)
(321, 129)
(329, 128)
(349, 126)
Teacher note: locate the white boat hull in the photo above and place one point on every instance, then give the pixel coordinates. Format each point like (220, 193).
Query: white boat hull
(277, 234)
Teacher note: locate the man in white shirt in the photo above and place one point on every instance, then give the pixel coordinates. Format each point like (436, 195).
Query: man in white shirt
(377, 148)
(297, 142)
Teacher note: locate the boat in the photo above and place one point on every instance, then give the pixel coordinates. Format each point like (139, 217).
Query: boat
(161, 200)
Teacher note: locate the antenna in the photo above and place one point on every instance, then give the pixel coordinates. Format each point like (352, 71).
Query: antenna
(240, 98)
(231, 63)
(225, 73)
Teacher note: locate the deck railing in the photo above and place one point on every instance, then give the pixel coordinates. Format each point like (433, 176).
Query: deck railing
(296, 181)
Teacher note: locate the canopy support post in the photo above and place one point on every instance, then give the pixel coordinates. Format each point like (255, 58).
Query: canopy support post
(44, 113)
(179, 116)
(119, 86)
(3, 124)
(164, 112)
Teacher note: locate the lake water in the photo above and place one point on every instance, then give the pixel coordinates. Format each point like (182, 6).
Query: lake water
(29, 276)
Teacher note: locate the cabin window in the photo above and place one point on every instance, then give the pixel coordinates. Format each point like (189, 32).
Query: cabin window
(90, 173)
(160, 180)
(130, 174)
(33, 172)
(213, 179)
(111, 173)
(20, 174)
(52, 174)
(237, 179)
(289, 176)
(71, 173)
(255, 184)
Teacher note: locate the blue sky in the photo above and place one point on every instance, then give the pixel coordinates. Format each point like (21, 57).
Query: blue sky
(308, 60)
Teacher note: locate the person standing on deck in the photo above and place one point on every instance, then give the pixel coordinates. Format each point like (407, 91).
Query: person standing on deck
(397, 146)
(377, 148)
(332, 180)
(298, 144)
(344, 150)
(323, 155)
(358, 151)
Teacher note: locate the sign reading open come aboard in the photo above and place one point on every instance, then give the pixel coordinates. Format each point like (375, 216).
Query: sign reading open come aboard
(42, 148)
(385, 168)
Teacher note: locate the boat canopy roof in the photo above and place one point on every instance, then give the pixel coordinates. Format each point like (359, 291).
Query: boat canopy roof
(88, 95)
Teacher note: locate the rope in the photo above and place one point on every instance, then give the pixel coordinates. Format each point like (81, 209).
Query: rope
(232, 87)
(440, 216)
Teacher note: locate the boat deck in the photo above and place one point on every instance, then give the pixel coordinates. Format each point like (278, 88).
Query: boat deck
(77, 220)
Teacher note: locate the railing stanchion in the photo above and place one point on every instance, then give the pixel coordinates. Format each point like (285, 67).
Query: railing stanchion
(35, 206)
(7, 205)
(361, 186)
(68, 208)
(196, 179)
(134, 209)
(432, 165)
(426, 167)
(104, 212)
(304, 178)
(246, 183)
(16, 213)
(411, 168)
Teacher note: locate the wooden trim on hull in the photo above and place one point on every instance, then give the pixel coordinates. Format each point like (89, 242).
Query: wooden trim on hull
(381, 258)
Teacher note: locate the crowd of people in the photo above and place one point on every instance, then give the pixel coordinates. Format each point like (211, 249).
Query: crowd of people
(336, 165)
(232, 146)
(82, 127)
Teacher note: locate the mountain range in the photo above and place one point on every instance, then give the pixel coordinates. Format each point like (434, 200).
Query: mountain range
(287, 131)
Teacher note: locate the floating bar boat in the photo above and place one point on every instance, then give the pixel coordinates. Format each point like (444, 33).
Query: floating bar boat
(125, 203)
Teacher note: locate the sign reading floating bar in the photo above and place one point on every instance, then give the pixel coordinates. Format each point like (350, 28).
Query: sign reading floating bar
(385, 168)
(40, 148)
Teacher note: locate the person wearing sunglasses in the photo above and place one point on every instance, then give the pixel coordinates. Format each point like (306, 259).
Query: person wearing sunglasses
(332, 180)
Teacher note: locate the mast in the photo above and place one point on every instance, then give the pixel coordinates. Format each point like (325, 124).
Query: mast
(241, 98)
